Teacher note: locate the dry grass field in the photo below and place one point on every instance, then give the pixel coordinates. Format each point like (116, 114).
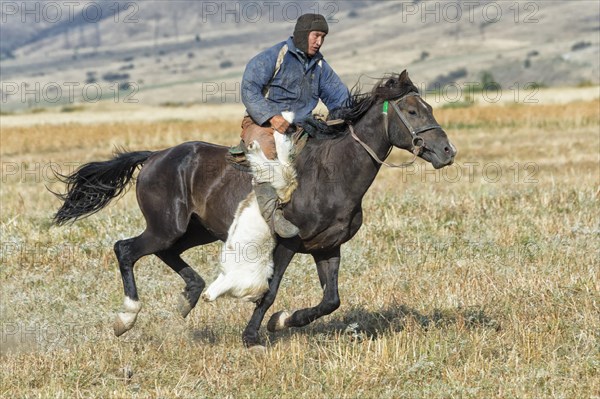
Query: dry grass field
(481, 280)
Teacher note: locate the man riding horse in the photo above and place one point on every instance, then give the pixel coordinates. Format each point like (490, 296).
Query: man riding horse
(290, 76)
(185, 204)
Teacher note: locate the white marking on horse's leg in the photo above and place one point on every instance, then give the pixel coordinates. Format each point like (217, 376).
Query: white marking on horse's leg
(277, 322)
(127, 316)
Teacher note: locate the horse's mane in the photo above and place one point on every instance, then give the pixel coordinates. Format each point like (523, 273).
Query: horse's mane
(389, 87)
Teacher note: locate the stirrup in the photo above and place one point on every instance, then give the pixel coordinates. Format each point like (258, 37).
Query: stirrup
(236, 156)
(239, 149)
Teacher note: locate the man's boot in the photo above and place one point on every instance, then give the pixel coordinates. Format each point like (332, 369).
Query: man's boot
(266, 196)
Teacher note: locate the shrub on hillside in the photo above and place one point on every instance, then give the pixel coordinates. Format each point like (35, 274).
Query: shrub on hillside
(450, 77)
(225, 64)
(112, 76)
(580, 46)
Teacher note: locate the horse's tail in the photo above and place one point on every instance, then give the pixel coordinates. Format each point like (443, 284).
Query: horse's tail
(93, 185)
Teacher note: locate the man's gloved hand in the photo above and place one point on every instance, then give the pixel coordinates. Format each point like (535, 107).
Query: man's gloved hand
(279, 123)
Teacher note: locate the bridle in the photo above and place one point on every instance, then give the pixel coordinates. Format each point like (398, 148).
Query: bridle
(417, 142)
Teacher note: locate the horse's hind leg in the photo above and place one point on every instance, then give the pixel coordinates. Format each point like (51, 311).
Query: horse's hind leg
(163, 192)
(194, 284)
(128, 252)
(327, 266)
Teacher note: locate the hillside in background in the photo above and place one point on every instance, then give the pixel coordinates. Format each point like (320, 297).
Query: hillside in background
(159, 52)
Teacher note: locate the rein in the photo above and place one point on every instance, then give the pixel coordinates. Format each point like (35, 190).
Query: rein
(417, 142)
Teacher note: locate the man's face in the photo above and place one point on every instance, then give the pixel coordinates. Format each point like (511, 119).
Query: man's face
(315, 41)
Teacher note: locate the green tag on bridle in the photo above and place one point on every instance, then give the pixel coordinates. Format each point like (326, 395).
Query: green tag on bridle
(385, 106)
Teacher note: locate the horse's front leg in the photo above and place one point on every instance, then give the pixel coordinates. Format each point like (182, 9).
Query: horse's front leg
(328, 264)
(282, 256)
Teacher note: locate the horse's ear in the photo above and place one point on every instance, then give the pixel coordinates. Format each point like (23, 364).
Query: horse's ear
(404, 76)
(391, 82)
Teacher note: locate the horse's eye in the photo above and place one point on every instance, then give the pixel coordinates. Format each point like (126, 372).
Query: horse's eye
(412, 112)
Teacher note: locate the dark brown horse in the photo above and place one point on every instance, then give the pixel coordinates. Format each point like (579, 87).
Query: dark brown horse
(189, 194)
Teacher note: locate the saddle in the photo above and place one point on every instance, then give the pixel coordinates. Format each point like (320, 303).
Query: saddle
(236, 155)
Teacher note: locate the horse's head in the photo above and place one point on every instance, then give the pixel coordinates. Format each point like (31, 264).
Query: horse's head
(411, 124)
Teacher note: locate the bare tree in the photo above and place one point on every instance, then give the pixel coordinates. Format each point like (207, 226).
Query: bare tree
(175, 17)
(67, 41)
(156, 17)
(456, 31)
(81, 37)
(482, 27)
(98, 37)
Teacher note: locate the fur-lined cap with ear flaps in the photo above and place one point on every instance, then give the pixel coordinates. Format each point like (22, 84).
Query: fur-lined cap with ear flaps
(306, 24)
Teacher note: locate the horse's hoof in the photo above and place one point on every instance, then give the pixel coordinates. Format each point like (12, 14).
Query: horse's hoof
(277, 321)
(258, 350)
(119, 327)
(127, 316)
(183, 306)
(123, 323)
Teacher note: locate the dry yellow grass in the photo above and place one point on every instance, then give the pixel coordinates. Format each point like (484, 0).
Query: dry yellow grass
(480, 280)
